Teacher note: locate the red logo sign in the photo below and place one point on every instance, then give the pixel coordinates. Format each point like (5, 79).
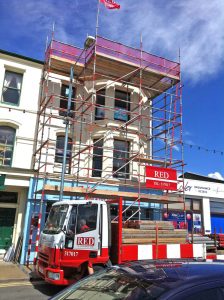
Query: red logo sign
(161, 178)
(85, 241)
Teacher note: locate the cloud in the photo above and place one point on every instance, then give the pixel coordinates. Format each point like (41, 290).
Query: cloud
(216, 175)
(33, 21)
(196, 27)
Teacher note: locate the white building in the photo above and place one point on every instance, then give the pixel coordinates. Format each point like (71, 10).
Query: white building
(204, 204)
(20, 83)
(206, 195)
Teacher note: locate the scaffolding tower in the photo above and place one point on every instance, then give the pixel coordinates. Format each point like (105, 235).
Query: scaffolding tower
(120, 111)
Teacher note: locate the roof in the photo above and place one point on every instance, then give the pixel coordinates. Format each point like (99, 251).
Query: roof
(194, 176)
(21, 56)
(151, 280)
(174, 276)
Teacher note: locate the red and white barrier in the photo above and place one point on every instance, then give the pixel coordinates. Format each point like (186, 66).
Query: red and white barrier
(214, 256)
(167, 251)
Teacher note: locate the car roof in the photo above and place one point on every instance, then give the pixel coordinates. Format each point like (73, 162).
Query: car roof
(167, 279)
(175, 275)
(177, 269)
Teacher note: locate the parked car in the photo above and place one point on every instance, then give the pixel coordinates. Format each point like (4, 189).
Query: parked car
(151, 280)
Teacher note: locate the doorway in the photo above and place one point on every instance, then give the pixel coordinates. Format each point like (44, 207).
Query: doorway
(7, 219)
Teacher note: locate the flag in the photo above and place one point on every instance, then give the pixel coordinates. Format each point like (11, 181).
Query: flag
(110, 4)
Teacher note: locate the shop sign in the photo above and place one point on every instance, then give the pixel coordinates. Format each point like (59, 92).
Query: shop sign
(161, 178)
(202, 188)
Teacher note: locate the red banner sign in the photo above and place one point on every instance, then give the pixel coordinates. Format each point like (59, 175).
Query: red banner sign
(161, 178)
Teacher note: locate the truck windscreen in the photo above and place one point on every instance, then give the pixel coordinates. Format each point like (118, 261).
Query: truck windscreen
(56, 219)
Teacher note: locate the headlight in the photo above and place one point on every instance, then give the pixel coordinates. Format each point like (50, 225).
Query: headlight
(54, 276)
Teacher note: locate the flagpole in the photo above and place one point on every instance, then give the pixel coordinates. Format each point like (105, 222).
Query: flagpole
(97, 19)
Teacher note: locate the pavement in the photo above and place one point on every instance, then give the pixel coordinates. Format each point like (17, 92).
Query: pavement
(10, 271)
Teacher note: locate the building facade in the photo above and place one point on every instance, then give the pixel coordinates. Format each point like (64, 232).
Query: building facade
(204, 204)
(106, 112)
(20, 79)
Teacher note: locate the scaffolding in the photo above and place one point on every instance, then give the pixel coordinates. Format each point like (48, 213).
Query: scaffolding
(121, 110)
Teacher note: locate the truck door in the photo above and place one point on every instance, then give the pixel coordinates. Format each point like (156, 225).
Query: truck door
(87, 227)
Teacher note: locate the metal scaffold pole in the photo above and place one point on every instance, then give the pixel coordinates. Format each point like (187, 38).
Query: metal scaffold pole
(66, 121)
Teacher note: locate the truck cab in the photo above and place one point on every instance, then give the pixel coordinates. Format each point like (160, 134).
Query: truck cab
(76, 235)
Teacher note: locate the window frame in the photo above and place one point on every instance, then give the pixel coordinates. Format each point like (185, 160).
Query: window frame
(126, 101)
(126, 172)
(12, 146)
(64, 100)
(97, 157)
(68, 158)
(100, 95)
(11, 88)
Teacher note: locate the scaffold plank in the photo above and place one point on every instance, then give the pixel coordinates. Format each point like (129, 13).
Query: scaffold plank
(109, 194)
(145, 159)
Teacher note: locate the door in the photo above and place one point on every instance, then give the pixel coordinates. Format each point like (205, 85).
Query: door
(87, 227)
(217, 223)
(7, 218)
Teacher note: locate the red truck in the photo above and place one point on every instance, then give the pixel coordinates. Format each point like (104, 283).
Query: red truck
(80, 238)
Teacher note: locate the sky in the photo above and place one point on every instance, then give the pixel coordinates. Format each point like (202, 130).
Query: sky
(189, 30)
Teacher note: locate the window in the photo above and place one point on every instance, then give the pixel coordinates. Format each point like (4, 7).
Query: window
(122, 106)
(97, 158)
(100, 103)
(64, 100)
(120, 158)
(86, 217)
(193, 204)
(196, 204)
(12, 87)
(8, 197)
(60, 151)
(7, 138)
(56, 219)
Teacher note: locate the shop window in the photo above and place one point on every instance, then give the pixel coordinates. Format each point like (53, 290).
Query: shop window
(8, 197)
(196, 205)
(120, 159)
(59, 152)
(64, 100)
(7, 138)
(12, 88)
(97, 158)
(122, 106)
(100, 105)
(187, 204)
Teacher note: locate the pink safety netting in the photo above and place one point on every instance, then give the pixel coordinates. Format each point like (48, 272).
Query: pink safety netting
(118, 51)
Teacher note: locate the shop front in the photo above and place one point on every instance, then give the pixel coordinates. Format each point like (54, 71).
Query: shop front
(204, 203)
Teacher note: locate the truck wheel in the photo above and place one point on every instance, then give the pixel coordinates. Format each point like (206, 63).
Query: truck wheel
(98, 268)
(109, 263)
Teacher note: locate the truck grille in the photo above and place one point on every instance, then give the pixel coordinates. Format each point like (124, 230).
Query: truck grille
(43, 256)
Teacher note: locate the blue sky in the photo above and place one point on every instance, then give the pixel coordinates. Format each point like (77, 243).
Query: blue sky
(194, 27)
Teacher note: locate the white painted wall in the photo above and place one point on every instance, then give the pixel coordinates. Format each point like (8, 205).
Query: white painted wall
(206, 215)
(21, 117)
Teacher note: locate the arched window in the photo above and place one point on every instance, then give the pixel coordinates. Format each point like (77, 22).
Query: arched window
(59, 152)
(7, 138)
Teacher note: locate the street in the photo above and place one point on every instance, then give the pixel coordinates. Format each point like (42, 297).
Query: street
(24, 290)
